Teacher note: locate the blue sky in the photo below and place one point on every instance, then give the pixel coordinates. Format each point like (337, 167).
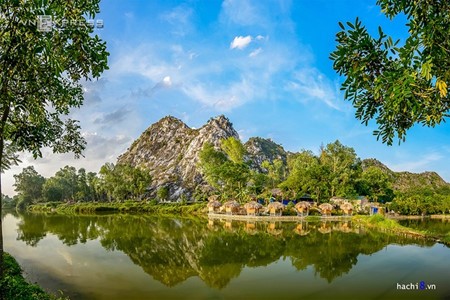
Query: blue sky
(263, 64)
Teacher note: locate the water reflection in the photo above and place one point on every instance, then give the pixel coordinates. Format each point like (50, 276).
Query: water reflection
(434, 226)
(171, 250)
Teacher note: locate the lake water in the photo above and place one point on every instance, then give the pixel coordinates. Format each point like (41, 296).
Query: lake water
(142, 257)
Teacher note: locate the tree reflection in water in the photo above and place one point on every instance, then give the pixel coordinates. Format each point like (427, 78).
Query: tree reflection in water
(172, 250)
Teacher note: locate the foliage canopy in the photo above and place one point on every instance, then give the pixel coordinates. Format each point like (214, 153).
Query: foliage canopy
(398, 85)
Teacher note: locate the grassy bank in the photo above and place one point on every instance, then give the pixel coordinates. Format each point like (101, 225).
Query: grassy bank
(13, 286)
(124, 207)
(381, 223)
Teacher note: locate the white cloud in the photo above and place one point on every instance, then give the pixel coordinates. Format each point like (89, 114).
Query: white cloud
(240, 42)
(242, 13)
(167, 81)
(180, 20)
(92, 90)
(312, 85)
(255, 52)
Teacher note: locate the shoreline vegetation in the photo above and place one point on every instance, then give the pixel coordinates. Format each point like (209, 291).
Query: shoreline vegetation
(14, 286)
(377, 221)
(121, 207)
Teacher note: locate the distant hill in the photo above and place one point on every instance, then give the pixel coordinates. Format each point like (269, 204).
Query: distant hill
(170, 149)
(404, 181)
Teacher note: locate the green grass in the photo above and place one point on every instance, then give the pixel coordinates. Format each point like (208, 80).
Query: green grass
(13, 286)
(381, 223)
(124, 207)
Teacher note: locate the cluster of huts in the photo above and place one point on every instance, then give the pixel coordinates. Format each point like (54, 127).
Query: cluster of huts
(276, 208)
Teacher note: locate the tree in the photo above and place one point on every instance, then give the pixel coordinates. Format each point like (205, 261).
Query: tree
(225, 169)
(63, 186)
(234, 149)
(398, 86)
(82, 193)
(40, 75)
(210, 161)
(275, 171)
(10, 157)
(375, 184)
(52, 190)
(91, 179)
(342, 166)
(306, 176)
(298, 180)
(123, 181)
(28, 184)
(105, 184)
(9, 202)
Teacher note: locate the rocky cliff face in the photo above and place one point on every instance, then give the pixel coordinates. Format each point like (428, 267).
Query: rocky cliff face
(169, 149)
(260, 149)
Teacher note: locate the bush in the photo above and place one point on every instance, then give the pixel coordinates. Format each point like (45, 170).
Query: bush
(13, 285)
(153, 202)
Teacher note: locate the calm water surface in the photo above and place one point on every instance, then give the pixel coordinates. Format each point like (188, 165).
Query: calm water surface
(142, 257)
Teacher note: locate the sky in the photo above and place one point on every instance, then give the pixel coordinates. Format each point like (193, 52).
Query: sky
(263, 64)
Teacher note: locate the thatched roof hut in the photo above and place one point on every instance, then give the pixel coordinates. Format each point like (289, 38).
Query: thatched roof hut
(337, 200)
(213, 206)
(302, 208)
(252, 207)
(275, 208)
(326, 208)
(347, 208)
(231, 207)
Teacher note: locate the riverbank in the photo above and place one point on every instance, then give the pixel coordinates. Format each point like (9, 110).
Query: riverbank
(122, 207)
(14, 286)
(401, 217)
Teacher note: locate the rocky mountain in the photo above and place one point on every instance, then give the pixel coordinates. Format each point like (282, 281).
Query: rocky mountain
(170, 149)
(403, 181)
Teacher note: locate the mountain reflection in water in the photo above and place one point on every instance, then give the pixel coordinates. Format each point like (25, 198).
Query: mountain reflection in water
(171, 250)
